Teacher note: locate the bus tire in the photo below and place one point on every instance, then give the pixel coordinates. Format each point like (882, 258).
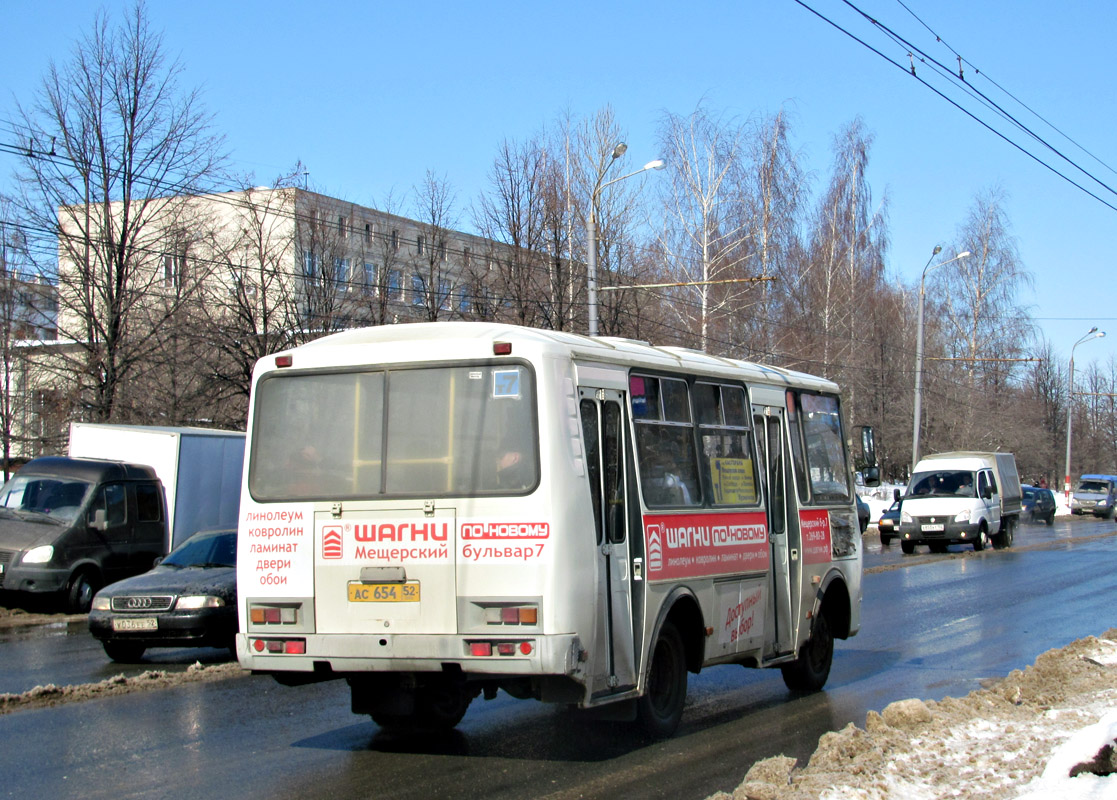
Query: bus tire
(438, 706)
(661, 706)
(808, 673)
(982, 539)
(907, 547)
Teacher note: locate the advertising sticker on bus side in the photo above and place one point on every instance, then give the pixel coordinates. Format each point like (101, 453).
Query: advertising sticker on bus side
(697, 545)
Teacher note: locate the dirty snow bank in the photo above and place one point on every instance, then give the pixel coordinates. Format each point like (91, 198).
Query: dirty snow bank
(1022, 737)
(51, 695)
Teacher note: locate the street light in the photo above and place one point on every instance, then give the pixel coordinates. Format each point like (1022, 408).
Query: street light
(919, 351)
(1093, 334)
(591, 228)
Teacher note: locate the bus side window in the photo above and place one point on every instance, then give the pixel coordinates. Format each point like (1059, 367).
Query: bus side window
(725, 456)
(665, 441)
(798, 459)
(588, 409)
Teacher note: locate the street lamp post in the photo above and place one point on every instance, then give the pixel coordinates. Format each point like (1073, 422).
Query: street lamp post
(919, 351)
(1093, 334)
(591, 229)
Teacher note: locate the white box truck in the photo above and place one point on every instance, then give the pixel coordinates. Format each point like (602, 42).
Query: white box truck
(200, 469)
(961, 498)
(125, 495)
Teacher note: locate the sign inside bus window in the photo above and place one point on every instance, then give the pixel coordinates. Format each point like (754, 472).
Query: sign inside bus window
(733, 481)
(814, 525)
(506, 383)
(699, 545)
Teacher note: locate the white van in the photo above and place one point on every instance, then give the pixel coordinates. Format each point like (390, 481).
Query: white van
(961, 498)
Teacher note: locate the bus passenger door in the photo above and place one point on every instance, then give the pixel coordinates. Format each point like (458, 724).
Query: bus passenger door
(613, 667)
(769, 438)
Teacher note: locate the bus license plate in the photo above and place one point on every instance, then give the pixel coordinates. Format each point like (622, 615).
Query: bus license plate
(384, 592)
(932, 528)
(135, 624)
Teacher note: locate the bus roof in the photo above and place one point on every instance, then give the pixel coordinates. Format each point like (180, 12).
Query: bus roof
(607, 349)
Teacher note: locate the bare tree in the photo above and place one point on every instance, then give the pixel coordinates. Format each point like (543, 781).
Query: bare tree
(984, 323)
(512, 216)
(705, 226)
(250, 307)
(433, 278)
(775, 188)
(111, 146)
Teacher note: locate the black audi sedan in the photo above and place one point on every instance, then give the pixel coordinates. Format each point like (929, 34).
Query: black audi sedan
(188, 600)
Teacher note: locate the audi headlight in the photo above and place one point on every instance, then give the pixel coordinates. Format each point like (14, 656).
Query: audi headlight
(905, 516)
(39, 555)
(199, 601)
(102, 603)
(962, 516)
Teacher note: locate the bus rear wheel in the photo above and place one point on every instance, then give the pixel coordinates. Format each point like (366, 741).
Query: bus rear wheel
(907, 547)
(661, 707)
(808, 673)
(438, 706)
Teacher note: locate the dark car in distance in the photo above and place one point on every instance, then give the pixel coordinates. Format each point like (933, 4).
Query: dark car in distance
(889, 523)
(863, 513)
(188, 600)
(1037, 504)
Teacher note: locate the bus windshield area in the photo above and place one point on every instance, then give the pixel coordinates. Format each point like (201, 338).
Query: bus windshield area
(948, 483)
(826, 463)
(464, 430)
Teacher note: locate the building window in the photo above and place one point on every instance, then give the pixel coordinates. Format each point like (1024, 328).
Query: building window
(418, 290)
(442, 250)
(467, 257)
(419, 245)
(310, 265)
(341, 273)
(463, 300)
(174, 269)
(395, 285)
(370, 278)
(394, 240)
(341, 226)
(444, 292)
(368, 233)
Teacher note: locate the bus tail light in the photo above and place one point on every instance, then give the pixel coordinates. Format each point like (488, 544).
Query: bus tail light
(272, 614)
(502, 348)
(487, 649)
(296, 647)
(512, 615)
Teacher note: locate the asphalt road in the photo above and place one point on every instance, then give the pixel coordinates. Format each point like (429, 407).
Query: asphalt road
(932, 626)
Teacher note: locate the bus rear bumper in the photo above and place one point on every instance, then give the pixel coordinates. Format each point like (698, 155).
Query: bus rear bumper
(560, 654)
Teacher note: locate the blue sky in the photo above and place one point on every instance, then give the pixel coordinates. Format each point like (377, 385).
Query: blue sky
(371, 95)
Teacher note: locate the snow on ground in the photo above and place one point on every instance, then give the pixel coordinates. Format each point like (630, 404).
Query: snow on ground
(1045, 732)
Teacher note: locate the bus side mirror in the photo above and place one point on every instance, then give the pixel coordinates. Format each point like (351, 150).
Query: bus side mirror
(97, 521)
(896, 495)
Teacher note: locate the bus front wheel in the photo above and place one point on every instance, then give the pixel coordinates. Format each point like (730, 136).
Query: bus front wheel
(661, 707)
(808, 673)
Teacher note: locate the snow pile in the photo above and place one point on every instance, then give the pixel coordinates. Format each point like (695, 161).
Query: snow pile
(52, 695)
(1049, 731)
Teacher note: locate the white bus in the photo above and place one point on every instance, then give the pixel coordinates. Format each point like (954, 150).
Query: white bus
(434, 511)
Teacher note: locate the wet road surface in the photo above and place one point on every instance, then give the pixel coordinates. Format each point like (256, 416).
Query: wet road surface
(932, 626)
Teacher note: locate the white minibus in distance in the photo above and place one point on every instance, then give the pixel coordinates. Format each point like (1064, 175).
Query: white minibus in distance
(433, 511)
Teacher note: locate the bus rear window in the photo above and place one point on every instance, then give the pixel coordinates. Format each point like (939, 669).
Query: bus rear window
(432, 432)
